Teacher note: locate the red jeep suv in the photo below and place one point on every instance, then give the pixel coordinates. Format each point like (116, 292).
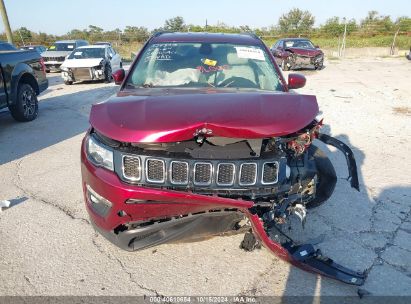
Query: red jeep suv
(202, 134)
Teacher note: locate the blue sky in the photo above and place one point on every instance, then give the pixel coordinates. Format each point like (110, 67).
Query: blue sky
(60, 16)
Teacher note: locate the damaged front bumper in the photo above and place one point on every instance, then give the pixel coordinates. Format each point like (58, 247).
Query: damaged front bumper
(135, 217)
(81, 74)
(299, 61)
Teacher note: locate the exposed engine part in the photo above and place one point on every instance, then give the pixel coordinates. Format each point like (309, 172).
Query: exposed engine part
(301, 212)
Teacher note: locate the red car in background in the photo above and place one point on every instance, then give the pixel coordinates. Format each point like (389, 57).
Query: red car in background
(293, 53)
(202, 134)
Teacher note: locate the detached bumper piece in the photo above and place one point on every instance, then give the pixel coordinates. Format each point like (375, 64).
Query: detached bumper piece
(349, 156)
(306, 255)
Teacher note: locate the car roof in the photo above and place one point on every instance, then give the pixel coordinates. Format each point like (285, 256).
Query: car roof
(94, 46)
(69, 41)
(248, 39)
(288, 39)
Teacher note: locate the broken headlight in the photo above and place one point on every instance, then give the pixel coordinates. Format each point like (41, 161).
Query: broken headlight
(299, 142)
(99, 154)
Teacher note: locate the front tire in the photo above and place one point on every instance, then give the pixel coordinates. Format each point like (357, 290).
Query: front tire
(68, 82)
(107, 73)
(26, 107)
(326, 177)
(284, 65)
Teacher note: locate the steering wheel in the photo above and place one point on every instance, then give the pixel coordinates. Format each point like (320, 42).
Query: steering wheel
(238, 82)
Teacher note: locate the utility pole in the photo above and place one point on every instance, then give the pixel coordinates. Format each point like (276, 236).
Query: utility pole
(6, 22)
(344, 37)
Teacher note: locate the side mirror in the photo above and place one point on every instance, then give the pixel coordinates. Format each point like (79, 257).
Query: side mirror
(296, 81)
(119, 76)
(317, 46)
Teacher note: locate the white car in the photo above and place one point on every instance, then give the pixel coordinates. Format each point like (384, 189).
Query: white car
(91, 62)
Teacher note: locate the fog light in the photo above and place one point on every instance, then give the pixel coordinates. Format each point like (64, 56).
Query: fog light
(98, 203)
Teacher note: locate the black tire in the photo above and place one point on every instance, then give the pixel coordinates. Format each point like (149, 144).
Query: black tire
(284, 65)
(121, 64)
(326, 178)
(26, 107)
(68, 82)
(47, 70)
(107, 73)
(320, 66)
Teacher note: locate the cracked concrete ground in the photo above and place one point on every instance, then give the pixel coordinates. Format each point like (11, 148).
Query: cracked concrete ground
(49, 248)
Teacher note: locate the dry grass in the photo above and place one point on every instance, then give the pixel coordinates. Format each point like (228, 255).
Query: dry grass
(128, 50)
(402, 111)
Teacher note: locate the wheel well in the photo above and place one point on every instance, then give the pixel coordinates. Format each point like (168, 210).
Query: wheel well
(29, 79)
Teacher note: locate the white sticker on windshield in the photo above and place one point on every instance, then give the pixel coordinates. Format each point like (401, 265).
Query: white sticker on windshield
(78, 53)
(249, 53)
(70, 46)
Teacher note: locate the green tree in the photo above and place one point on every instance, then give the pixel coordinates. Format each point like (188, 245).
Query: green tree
(403, 23)
(136, 33)
(175, 24)
(335, 27)
(374, 23)
(296, 21)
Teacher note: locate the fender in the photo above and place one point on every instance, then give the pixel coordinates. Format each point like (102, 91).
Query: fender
(19, 71)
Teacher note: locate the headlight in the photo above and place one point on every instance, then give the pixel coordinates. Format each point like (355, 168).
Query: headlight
(99, 155)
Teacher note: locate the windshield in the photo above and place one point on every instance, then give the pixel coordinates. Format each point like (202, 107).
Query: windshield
(304, 44)
(199, 65)
(85, 53)
(62, 47)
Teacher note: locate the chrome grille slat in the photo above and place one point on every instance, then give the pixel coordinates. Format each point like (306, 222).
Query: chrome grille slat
(155, 170)
(199, 173)
(270, 173)
(179, 173)
(225, 174)
(248, 174)
(131, 167)
(203, 173)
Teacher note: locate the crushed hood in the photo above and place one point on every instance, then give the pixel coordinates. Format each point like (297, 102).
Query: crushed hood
(82, 63)
(55, 53)
(170, 118)
(305, 52)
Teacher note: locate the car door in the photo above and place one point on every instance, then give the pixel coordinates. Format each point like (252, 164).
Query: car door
(115, 59)
(3, 95)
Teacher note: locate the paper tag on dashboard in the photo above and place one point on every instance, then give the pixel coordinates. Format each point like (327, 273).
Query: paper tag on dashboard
(249, 53)
(210, 62)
